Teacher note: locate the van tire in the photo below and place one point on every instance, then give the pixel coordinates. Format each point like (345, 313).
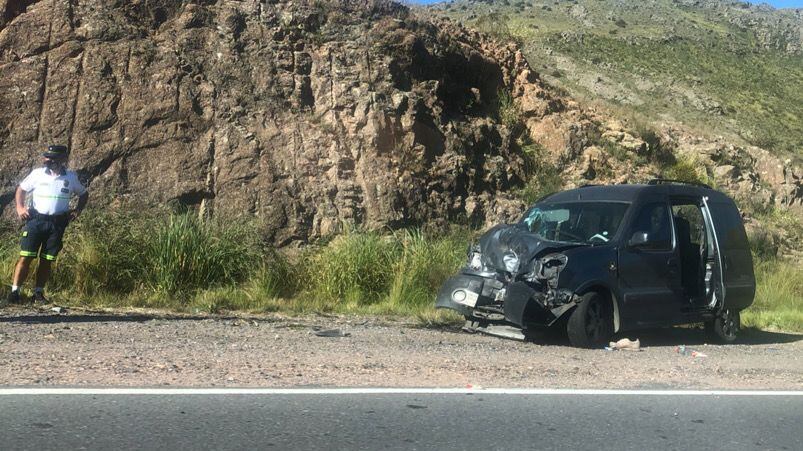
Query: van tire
(591, 323)
(725, 327)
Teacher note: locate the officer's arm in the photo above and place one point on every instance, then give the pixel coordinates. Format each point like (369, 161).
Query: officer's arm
(22, 212)
(82, 200)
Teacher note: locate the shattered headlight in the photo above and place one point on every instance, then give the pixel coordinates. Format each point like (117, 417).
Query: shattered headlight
(475, 261)
(474, 257)
(511, 261)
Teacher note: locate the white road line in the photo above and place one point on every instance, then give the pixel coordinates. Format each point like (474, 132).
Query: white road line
(384, 391)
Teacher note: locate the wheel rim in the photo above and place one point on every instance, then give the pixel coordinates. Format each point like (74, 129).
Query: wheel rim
(729, 326)
(594, 321)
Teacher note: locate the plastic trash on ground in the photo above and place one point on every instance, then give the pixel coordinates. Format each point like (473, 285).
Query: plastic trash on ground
(331, 333)
(683, 350)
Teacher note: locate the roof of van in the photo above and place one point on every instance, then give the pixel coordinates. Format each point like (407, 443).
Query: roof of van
(629, 193)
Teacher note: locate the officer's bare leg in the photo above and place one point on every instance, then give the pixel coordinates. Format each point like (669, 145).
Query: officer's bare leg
(43, 272)
(21, 270)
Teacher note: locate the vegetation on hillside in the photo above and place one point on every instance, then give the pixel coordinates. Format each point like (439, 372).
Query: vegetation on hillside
(720, 69)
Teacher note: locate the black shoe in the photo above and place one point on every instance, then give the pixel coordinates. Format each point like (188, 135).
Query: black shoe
(39, 298)
(13, 297)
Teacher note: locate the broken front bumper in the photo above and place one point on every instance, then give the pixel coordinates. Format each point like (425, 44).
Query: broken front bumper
(463, 293)
(517, 302)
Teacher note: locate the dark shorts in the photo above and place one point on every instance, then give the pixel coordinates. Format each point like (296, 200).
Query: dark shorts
(42, 237)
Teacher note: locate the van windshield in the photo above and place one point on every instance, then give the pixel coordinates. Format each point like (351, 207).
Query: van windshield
(576, 222)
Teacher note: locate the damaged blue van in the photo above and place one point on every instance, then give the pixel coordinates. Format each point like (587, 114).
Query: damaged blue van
(598, 260)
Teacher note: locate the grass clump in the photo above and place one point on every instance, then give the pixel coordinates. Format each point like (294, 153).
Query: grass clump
(184, 263)
(353, 269)
(422, 267)
(509, 113)
(542, 177)
(687, 169)
(496, 25)
(276, 276)
(185, 252)
(162, 260)
(779, 297)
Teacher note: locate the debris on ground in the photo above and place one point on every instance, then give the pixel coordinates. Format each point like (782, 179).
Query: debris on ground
(58, 310)
(625, 344)
(124, 350)
(331, 333)
(683, 350)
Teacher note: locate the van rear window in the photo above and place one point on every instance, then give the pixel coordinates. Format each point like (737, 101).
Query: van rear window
(729, 226)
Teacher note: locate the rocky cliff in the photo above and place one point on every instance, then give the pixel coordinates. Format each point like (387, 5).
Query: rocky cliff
(310, 115)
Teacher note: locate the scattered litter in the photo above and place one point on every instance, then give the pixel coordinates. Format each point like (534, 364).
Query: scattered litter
(57, 309)
(331, 333)
(625, 344)
(683, 350)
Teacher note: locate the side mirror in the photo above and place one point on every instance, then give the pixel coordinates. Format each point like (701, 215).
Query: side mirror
(639, 239)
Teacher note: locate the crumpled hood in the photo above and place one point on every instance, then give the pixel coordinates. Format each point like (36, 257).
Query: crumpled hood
(506, 238)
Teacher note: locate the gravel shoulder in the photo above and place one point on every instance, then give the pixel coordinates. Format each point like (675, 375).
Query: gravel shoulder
(41, 348)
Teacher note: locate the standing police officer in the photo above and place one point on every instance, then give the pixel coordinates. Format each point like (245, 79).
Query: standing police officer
(51, 187)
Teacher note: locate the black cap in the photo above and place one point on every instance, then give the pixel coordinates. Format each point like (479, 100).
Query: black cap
(56, 151)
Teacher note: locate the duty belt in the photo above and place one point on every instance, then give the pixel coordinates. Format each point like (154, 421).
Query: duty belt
(56, 218)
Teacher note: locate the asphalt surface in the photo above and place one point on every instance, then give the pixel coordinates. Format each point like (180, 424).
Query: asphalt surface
(400, 421)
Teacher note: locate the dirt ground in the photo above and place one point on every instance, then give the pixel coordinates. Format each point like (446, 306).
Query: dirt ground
(76, 348)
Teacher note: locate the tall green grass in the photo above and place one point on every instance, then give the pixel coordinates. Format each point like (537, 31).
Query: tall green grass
(184, 253)
(183, 263)
(779, 296)
(395, 274)
(354, 269)
(423, 265)
(102, 254)
(161, 260)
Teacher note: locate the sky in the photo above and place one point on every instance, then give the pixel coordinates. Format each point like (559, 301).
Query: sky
(782, 3)
(775, 3)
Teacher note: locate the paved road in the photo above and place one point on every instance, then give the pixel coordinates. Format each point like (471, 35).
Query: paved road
(400, 421)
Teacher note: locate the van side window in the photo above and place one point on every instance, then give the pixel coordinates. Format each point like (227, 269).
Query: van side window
(690, 216)
(654, 219)
(728, 223)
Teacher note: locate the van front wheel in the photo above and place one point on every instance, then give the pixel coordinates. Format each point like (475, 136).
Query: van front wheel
(591, 323)
(725, 327)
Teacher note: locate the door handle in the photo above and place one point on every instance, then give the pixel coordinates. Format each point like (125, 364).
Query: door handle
(672, 263)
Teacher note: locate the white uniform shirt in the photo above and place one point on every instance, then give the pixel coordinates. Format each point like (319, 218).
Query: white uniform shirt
(51, 191)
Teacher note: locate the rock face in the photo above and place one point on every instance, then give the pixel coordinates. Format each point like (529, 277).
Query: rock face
(309, 114)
